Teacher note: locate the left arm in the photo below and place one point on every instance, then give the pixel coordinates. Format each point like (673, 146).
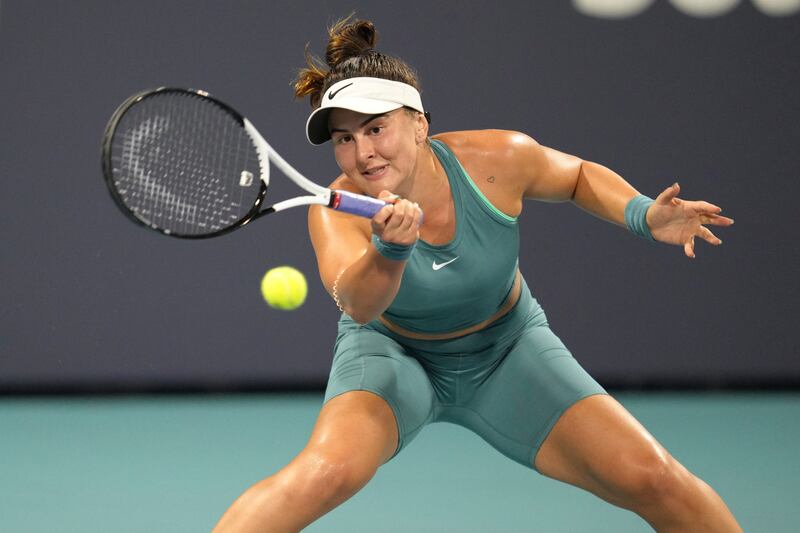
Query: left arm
(554, 176)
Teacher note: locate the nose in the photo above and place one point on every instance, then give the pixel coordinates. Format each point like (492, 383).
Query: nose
(364, 150)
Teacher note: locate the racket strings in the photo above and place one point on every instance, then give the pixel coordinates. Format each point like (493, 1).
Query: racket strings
(177, 162)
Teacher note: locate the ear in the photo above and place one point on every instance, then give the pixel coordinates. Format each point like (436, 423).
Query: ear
(421, 128)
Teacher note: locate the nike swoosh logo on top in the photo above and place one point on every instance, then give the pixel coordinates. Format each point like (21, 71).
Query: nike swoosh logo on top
(337, 91)
(437, 266)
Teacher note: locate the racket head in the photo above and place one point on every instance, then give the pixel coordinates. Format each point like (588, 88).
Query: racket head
(180, 162)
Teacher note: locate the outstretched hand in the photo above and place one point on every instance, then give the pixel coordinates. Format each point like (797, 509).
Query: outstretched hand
(675, 221)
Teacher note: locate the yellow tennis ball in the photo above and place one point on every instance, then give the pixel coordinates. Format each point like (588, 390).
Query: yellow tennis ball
(284, 287)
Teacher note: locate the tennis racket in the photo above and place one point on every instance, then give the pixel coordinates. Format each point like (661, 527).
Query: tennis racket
(183, 163)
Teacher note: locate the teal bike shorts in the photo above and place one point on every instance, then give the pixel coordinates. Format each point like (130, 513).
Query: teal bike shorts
(509, 382)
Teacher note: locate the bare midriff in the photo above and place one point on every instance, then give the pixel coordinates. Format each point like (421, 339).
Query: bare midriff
(508, 304)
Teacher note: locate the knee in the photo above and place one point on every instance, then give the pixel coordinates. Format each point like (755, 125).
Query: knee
(654, 479)
(328, 476)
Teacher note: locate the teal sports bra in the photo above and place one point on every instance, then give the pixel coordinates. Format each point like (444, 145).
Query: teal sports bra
(456, 285)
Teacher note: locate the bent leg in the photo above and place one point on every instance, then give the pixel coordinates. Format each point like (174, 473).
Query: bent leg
(355, 433)
(377, 399)
(600, 447)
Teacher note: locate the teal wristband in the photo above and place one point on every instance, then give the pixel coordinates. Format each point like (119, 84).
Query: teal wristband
(390, 250)
(636, 216)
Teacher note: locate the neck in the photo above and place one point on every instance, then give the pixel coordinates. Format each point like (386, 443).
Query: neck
(429, 186)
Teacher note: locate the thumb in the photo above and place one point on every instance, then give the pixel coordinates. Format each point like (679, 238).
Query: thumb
(669, 194)
(388, 196)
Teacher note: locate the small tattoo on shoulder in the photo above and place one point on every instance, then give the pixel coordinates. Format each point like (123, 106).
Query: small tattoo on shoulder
(490, 179)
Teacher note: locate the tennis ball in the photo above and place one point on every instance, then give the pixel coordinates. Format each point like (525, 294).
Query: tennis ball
(284, 287)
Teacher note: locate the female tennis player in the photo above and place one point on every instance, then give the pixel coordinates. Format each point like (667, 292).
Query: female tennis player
(438, 323)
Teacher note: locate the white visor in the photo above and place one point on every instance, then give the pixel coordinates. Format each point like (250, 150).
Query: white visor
(371, 96)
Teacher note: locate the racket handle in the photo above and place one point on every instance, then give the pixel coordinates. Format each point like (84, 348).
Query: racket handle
(357, 204)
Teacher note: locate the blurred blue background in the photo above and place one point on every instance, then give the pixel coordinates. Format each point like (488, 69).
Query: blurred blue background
(704, 93)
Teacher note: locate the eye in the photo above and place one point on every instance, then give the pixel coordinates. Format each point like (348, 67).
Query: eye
(375, 130)
(343, 139)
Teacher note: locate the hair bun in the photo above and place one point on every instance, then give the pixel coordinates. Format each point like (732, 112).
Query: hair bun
(350, 54)
(348, 39)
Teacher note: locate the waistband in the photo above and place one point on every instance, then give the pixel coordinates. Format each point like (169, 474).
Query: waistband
(525, 311)
(511, 300)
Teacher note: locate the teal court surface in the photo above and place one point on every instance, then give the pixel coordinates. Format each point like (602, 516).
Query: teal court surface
(172, 463)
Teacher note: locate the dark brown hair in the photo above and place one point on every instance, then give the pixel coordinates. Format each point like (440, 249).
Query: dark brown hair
(350, 54)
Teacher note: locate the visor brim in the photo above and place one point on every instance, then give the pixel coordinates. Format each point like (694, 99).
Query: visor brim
(317, 129)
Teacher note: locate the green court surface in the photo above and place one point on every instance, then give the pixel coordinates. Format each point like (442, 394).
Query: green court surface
(119, 464)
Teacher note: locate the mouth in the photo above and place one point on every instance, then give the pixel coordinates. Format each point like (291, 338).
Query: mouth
(375, 172)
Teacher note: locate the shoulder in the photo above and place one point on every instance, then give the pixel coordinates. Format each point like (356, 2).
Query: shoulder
(500, 162)
(499, 146)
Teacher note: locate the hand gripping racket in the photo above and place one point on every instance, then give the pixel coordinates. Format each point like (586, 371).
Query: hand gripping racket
(187, 165)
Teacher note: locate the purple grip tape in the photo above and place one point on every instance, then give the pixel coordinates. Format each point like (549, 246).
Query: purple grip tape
(357, 204)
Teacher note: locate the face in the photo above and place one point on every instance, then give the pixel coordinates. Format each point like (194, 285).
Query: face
(377, 151)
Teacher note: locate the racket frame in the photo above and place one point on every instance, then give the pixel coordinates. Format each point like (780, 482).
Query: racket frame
(341, 200)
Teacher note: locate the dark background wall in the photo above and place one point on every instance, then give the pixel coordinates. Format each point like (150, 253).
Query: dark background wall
(92, 302)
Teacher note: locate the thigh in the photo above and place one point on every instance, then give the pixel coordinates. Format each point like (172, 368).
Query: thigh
(367, 360)
(599, 446)
(534, 384)
(356, 420)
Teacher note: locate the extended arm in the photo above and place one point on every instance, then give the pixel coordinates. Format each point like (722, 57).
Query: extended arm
(556, 176)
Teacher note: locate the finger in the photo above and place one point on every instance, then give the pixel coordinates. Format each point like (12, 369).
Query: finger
(715, 220)
(688, 248)
(668, 194)
(399, 222)
(411, 217)
(382, 215)
(709, 237)
(417, 215)
(709, 208)
(401, 208)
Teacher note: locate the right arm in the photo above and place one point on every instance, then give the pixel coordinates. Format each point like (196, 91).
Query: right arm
(366, 282)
